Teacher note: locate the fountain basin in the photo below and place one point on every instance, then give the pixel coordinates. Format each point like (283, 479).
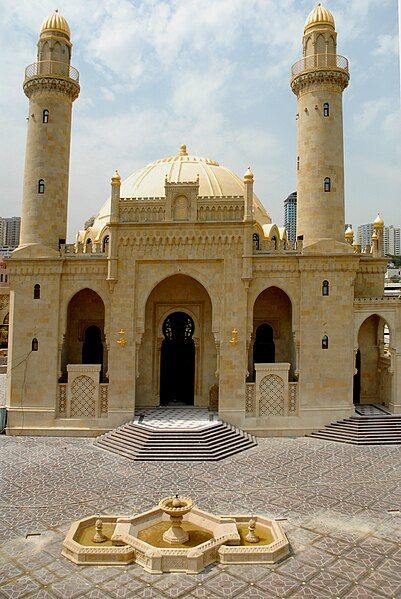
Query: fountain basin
(272, 547)
(79, 547)
(139, 539)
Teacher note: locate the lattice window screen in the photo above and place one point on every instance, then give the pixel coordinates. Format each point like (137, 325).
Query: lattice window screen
(271, 401)
(293, 393)
(250, 398)
(83, 398)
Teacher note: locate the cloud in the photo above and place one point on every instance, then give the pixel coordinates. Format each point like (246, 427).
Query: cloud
(371, 113)
(210, 73)
(387, 45)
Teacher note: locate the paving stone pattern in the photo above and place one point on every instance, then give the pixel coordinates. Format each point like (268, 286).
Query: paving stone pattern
(335, 499)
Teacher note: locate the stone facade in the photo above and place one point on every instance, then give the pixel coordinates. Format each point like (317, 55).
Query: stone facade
(182, 283)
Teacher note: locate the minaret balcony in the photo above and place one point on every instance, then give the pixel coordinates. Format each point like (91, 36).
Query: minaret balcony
(51, 68)
(317, 62)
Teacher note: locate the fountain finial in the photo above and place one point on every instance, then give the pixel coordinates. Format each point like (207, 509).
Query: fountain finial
(99, 536)
(251, 537)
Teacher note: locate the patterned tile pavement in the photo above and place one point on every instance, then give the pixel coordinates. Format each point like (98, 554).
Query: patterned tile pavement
(334, 500)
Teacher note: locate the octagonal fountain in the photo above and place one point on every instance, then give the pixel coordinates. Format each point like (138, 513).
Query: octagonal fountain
(175, 536)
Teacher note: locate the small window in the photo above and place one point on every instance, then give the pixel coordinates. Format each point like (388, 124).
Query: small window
(105, 243)
(41, 186)
(327, 184)
(45, 116)
(326, 109)
(256, 241)
(325, 288)
(35, 344)
(325, 342)
(274, 242)
(297, 163)
(36, 291)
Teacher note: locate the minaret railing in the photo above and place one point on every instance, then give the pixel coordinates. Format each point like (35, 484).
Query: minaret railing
(319, 61)
(51, 67)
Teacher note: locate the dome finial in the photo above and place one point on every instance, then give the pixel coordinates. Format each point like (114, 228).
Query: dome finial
(378, 223)
(248, 177)
(320, 16)
(55, 22)
(183, 150)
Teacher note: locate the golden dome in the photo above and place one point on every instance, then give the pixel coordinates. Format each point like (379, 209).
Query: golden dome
(319, 16)
(55, 22)
(378, 222)
(349, 233)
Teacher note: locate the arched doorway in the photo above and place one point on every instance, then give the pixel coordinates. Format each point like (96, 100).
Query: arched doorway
(4, 333)
(177, 363)
(188, 337)
(357, 378)
(272, 338)
(264, 349)
(373, 378)
(92, 348)
(84, 337)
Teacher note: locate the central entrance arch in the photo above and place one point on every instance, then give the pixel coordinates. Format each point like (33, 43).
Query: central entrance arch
(177, 358)
(177, 364)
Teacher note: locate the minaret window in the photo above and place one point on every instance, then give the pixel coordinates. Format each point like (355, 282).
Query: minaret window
(325, 342)
(45, 117)
(326, 109)
(297, 163)
(36, 291)
(105, 243)
(327, 184)
(41, 186)
(35, 344)
(325, 288)
(256, 241)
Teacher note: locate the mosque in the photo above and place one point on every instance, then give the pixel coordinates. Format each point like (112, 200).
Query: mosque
(183, 291)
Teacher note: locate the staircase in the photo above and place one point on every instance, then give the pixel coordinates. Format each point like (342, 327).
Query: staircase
(215, 441)
(383, 429)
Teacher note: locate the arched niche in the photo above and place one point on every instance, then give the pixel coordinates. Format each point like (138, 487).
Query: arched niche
(180, 208)
(176, 294)
(373, 378)
(84, 338)
(272, 337)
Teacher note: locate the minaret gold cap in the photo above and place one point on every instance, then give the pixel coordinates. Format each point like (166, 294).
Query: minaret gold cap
(183, 150)
(349, 233)
(116, 176)
(378, 223)
(248, 177)
(319, 16)
(55, 22)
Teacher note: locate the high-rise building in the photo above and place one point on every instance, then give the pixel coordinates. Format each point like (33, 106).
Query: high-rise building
(10, 230)
(364, 234)
(391, 238)
(392, 245)
(290, 216)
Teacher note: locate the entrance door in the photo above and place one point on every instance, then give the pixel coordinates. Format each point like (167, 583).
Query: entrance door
(92, 349)
(357, 378)
(177, 367)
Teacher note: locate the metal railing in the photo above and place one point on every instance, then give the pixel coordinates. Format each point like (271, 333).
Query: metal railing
(319, 61)
(51, 67)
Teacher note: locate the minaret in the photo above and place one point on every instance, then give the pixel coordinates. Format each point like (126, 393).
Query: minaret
(51, 85)
(318, 80)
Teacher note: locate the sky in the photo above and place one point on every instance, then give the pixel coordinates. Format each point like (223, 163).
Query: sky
(213, 74)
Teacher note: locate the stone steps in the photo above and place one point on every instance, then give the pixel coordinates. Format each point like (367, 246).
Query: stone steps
(208, 443)
(363, 430)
